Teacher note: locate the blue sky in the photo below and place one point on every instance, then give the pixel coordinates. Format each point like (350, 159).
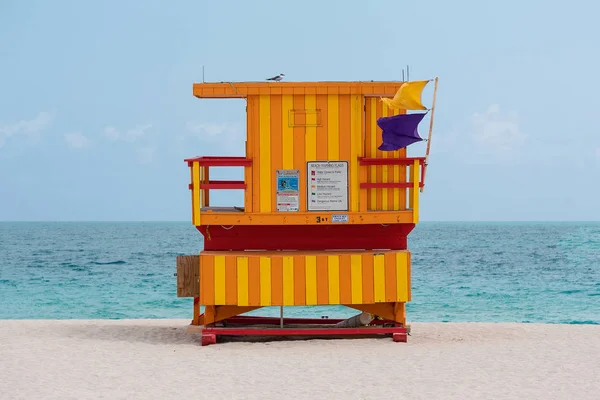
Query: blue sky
(97, 112)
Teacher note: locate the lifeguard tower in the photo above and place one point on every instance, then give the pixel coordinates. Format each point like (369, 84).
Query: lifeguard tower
(329, 199)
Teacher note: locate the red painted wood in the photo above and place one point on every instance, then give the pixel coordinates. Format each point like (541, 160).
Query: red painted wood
(302, 331)
(208, 339)
(400, 337)
(215, 161)
(254, 320)
(223, 185)
(306, 237)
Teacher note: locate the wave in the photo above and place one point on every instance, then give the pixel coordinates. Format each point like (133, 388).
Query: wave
(118, 262)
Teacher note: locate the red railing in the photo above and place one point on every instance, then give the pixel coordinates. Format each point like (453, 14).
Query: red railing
(364, 161)
(215, 161)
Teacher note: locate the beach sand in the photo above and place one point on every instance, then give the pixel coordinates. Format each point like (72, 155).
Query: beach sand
(157, 359)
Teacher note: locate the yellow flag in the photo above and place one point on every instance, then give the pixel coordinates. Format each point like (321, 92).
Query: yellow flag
(408, 97)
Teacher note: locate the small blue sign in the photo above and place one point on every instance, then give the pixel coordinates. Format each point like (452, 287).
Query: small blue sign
(287, 183)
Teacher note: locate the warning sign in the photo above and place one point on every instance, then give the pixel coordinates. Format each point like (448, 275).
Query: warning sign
(327, 185)
(287, 192)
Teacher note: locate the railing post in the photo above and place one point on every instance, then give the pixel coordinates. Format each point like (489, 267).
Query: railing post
(206, 192)
(196, 202)
(363, 192)
(415, 190)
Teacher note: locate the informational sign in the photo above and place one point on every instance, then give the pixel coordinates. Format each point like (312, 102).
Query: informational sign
(327, 186)
(339, 218)
(288, 194)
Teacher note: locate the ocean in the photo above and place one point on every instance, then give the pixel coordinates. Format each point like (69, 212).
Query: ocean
(461, 272)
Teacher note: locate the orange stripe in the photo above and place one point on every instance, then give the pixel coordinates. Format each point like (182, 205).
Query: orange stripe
(368, 279)
(390, 174)
(345, 280)
(322, 127)
(253, 125)
(299, 155)
(208, 269)
(253, 281)
(402, 192)
(390, 277)
(379, 154)
(402, 153)
(276, 281)
(299, 281)
(230, 281)
(368, 136)
(322, 279)
(345, 134)
(276, 142)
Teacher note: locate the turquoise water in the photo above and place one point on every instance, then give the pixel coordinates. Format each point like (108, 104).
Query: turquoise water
(503, 272)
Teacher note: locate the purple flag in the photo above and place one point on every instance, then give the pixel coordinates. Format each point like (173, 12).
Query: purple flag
(399, 131)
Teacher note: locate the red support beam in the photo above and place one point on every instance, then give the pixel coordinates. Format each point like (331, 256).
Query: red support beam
(223, 185)
(213, 161)
(305, 237)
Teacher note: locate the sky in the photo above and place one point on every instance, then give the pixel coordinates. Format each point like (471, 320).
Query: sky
(97, 112)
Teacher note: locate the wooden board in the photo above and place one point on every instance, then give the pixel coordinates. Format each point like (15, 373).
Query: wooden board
(188, 276)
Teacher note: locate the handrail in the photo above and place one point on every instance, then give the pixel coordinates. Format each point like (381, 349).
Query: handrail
(217, 161)
(390, 161)
(414, 163)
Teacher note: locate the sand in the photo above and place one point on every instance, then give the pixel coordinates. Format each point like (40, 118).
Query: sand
(157, 359)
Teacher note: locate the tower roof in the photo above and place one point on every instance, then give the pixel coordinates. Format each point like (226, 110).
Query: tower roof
(224, 90)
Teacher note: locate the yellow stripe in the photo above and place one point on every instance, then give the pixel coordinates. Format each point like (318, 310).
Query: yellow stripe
(310, 137)
(396, 191)
(402, 275)
(288, 281)
(265, 281)
(355, 139)
(373, 121)
(333, 275)
(219, 280)
(242, 280)
(287, 104)
(356, 278)
(311, 280)
(379, 278)
(415, 191)
(196, 192)
(333, 127)
(384, 168)
(265, 152)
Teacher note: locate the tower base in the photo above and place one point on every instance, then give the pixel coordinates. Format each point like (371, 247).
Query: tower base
(300, 328)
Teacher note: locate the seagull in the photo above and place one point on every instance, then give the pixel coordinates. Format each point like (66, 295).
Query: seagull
(276, 78)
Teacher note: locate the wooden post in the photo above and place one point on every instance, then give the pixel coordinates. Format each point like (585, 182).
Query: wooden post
(430, 131)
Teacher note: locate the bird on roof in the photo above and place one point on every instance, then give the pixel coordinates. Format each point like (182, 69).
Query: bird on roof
(276, 78)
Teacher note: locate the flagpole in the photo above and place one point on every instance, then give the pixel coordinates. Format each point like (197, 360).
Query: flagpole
(430, 131)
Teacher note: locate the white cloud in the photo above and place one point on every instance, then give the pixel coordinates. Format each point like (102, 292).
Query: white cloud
(136, 137)
(146, 154)
(132, 135)
(495, 132)
(31, 128)
(229, 137)
(76, 140)
(111, 133)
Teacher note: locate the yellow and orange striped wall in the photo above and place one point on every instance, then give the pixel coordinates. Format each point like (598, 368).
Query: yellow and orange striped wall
(304, 278)
(290, 124)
